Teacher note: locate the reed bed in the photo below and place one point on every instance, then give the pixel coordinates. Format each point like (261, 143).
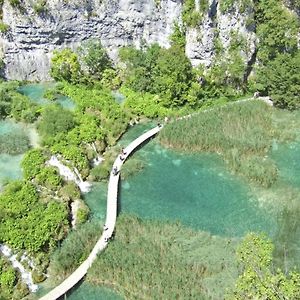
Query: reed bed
(241, 133)
(155, 260)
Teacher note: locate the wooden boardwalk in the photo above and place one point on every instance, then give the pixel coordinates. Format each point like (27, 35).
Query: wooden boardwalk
(109, 227)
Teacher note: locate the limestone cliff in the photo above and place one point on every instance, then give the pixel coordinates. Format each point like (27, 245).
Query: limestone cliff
(34, 32)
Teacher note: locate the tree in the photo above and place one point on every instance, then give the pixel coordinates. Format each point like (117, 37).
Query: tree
(55, 120)
(65, 66)
(95, 59)
(280, 79)
(258, 280)
(172, 76)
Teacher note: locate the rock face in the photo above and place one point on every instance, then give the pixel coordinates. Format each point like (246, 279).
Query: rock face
(32, 36)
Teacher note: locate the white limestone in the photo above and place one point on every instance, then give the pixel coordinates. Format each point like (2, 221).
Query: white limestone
(25, 275)
(70, 175)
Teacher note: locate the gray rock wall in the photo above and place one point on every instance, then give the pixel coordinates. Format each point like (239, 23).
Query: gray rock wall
(28, 45)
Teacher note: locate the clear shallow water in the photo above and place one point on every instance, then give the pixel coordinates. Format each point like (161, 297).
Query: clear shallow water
(90, 292)
(10, 165)
(96, 201)
(196, 190)
(287, 158)
(36, 91)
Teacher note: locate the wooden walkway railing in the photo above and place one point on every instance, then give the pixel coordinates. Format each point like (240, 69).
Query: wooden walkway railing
(110, 222)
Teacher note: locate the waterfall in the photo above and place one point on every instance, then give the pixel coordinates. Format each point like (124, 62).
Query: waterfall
(96, 161)
(26, 276)
(69, 175)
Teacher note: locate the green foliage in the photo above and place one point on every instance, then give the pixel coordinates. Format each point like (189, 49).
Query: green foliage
(49, 177)
(190, 16)
(30, 224)
(65, 66)
(55, 120)
(3, 27)
(6, 97)
(14, 143)
(132, 166)
(260, 170)
(32, 163)
(231, 134)
(101, 107)
(110, 79)
(69, 191)
(40, 6)
(99, 173)
(177, 38)
(172, 76)
(164, 261)
(258, 280)
(140, 66)
(226, 5)
(146, 104)
(22, 109)
(165, 72)
(95, 59)
(82, 213)
(276, 28)
(15, 3)
(8, 279)
(74, 250)
(280, 79)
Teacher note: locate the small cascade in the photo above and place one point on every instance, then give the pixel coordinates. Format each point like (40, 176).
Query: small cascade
(25, 275)
(98, 160)
(84, 186)
(68, 174)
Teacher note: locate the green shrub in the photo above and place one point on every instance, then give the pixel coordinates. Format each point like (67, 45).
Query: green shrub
(40, 6)
(74, 250)
(15, 3)
(3, 27)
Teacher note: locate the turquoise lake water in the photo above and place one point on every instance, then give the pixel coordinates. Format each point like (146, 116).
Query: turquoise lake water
(196, 190)
(36, 91)
(10, 165)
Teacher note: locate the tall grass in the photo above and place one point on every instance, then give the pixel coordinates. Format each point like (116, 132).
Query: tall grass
(74, 250)
(241, 133)
(154, 260)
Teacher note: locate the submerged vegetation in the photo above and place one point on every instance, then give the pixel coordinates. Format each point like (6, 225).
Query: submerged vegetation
(242, 133)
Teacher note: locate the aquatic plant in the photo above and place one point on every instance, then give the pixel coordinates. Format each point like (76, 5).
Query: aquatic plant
(14, 143)
(241, 133)
(155, 260)
(74, 250)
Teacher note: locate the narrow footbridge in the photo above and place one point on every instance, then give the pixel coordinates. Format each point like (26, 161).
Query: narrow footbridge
(111, 216)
